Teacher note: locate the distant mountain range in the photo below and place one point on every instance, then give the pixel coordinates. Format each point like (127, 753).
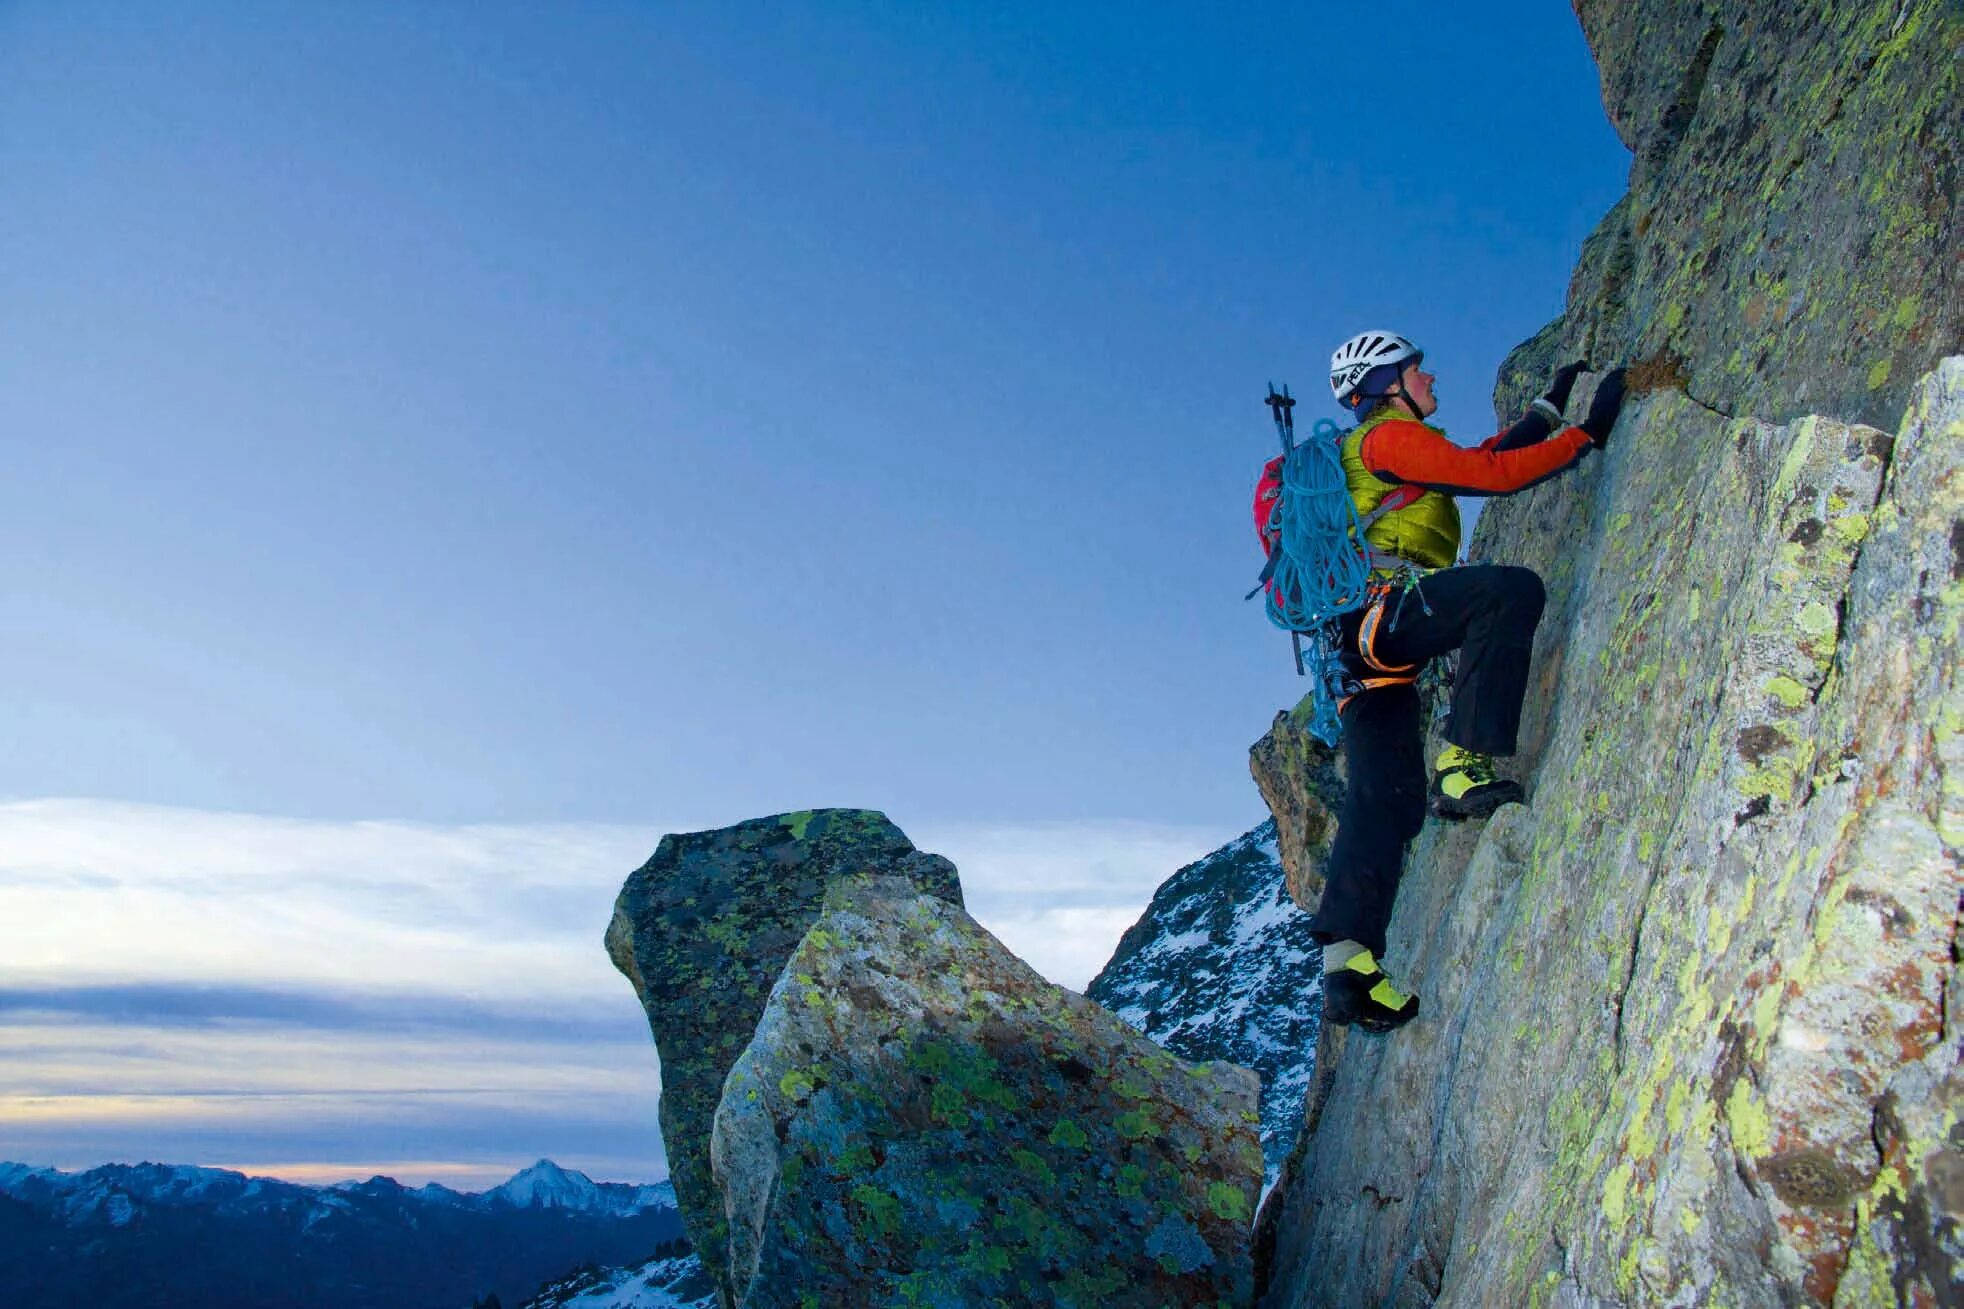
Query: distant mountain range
(139, 1235)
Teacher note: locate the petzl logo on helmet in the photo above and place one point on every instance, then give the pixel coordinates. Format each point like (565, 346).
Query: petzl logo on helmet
(1351, 375)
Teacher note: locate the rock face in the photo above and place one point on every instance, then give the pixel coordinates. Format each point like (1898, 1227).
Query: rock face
(702, 931)
(1691, 1030)
(921, 1119)
(1691, 1027)
(1220, 966)
(1790, 242)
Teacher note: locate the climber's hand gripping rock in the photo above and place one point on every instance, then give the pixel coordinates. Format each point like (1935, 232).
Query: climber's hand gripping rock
(1604, 407)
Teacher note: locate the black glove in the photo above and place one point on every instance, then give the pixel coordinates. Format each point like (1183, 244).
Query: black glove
(1557, 393)
(1604, 408)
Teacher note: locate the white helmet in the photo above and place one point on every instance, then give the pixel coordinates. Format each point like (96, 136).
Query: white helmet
(1363, 352)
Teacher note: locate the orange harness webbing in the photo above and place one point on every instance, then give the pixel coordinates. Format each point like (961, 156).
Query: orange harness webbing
(1367, 636)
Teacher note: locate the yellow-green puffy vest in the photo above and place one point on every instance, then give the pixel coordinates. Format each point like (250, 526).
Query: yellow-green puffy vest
(1426, 531)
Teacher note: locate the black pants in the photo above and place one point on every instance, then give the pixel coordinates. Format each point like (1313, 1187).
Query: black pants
(1488, 612)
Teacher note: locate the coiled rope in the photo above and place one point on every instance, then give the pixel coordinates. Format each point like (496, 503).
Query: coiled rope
(1322, 569)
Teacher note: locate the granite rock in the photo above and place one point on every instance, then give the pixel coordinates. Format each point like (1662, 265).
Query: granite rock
(1690, 1032)
(1789, 244)
(922, 1119)
(702, 931)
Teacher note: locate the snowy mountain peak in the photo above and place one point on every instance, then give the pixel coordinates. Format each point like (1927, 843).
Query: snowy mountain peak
(545, 1185)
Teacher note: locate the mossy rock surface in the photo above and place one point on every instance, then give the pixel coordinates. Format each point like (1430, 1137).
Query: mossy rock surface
(702, 931)
(921, 1119)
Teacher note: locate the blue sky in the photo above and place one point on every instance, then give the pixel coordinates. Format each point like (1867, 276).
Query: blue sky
(446, 419)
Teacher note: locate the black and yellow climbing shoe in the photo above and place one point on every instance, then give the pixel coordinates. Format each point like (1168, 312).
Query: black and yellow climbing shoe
(1464, 785)
(1359, 994)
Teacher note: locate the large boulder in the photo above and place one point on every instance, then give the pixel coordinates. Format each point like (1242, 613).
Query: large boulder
(922, 1119)
(702, 930)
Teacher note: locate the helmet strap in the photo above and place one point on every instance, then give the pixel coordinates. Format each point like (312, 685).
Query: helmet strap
(1398, 392)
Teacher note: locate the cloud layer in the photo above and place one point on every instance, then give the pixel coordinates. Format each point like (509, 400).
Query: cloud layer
(333, 999)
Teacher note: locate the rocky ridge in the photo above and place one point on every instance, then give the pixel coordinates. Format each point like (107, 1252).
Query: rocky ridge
(664, 1282)
(911, 1111)
(164, 1234)
(1691, 1016)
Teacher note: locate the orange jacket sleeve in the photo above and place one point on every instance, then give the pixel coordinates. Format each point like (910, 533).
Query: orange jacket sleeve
(1398, 450)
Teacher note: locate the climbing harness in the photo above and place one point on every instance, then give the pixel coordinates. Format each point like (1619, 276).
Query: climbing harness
(1320, 564)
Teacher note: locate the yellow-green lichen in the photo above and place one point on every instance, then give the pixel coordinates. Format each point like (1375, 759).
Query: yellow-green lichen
(1797, 452)
(1752, 1129)
(1227, 1202)
(1616, 1193)
(1069, 1135)
(1787, 691)
(1775, 781)
(1853, 529)
(1815, 619)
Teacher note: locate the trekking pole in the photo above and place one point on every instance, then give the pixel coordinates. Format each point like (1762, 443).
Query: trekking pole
(1282, 406)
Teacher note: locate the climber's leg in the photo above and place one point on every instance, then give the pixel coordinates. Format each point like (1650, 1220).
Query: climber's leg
(1383, 808)
(1489, 612)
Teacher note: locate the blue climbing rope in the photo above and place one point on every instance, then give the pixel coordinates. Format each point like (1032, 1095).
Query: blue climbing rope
(1321, 568)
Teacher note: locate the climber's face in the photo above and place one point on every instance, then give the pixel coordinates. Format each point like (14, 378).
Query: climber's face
(1417, 384)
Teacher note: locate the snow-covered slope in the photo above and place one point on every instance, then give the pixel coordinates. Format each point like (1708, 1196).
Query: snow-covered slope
(1221, 967)
(665, 1282)
(112, 1194)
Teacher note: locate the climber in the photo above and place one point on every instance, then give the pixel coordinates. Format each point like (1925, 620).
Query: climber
(1422, 606)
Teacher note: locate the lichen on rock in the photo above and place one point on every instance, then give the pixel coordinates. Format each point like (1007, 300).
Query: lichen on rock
(702, 931)
(921, 1119)
(1690, 1035)
(1790, 242)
